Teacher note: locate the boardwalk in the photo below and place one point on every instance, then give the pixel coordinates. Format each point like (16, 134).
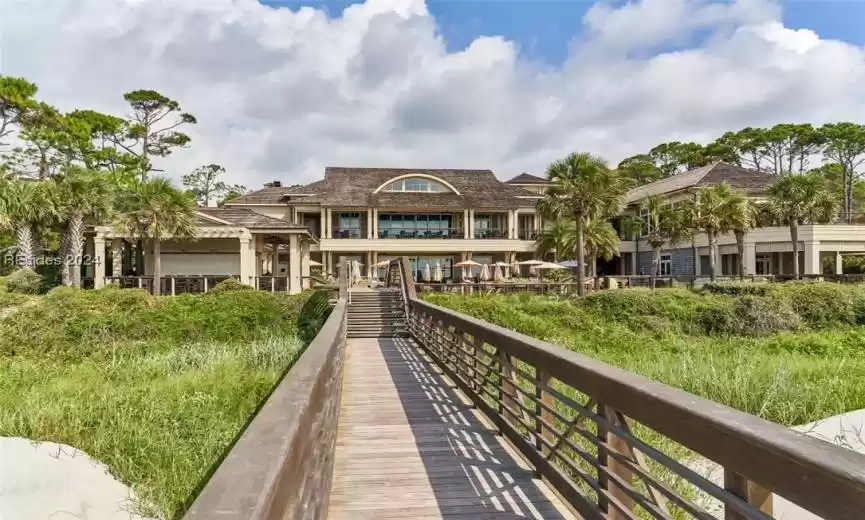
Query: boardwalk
(409, 447)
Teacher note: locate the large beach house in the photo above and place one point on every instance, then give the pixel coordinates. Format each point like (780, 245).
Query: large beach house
(443, 217)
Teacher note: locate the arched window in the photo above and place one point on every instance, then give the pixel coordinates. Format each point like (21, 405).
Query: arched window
(416, 185)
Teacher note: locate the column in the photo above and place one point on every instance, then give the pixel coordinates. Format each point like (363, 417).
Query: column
(467, 229)
(99, 261)
(304, 264)
(719, 260)
(812, 258)
(322, 223)
(369, 229)
(89, 271)
(537, 223)
(370, 259)
(117, 257)
(293, 264)
(839, 263)
(511, 219)
(750, 258)
(328, 230)
(634, 257)
(471, 223)
(275, 270)
(374, 223)
(246, 267)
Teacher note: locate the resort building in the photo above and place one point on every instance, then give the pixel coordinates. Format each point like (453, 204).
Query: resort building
(273, 238)
(768, 250)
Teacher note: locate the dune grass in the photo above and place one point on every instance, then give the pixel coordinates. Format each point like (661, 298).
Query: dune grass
(156, 388)
(792, 355)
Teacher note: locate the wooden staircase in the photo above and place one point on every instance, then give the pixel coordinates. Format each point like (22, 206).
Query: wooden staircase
(376, 314)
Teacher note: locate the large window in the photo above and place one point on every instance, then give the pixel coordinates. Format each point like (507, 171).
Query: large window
(416, 226)
(416, 185)
(666, 266)
(348, 225)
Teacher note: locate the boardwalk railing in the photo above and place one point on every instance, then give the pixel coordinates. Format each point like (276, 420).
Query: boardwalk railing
(282, 464)
(617, 445)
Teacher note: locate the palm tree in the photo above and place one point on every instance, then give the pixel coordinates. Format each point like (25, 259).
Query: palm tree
(801, 199)
(156, 210)
(26, 205)
(585, 188)
(602, 240)
(741, 218)
(560, 238)
(85, 195)
(710, 215)
(665, 224)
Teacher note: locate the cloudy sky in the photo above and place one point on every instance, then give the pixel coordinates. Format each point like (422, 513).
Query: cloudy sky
(283, 88)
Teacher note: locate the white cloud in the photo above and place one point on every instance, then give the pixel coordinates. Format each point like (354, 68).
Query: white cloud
(280, 94)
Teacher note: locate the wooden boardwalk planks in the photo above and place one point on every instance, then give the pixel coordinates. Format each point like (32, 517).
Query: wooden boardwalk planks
(408, 446)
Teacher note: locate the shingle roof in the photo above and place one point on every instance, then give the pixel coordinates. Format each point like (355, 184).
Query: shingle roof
(528, 178)
(750, 181)
(244, 217)
(354, 187)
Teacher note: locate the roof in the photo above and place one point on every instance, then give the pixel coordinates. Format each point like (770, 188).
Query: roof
(355, 187)
(744, 179)
(244, 217)
(528, 178)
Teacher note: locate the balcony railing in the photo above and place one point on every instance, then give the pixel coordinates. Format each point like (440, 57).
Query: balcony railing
(347, 232)
(527, 234)
(491, 233)
(450, 233)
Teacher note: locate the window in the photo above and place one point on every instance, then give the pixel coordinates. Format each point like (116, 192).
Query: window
(416, 185)
(666, 266)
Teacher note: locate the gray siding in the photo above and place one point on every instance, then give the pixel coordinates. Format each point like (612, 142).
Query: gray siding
(682, 261)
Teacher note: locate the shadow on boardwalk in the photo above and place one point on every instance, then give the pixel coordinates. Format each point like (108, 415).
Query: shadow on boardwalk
(409, 447)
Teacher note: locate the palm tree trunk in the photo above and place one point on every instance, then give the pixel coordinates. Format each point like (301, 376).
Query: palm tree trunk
(712, 253)
(66, 255)
(76, 246)
(656, 262)
(740, 246)
(794, 236)
(581, 255)
(157, 267)
(24, 238)
(594, 256)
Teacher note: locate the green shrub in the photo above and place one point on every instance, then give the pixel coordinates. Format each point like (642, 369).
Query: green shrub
(312, 315)
(758, 316)
(821, 304)
(737, 288)
(24, 281)
(231, 284)
(72, 323)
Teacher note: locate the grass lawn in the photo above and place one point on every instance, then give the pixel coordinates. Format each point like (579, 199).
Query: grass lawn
(792, 353)
(156, 388)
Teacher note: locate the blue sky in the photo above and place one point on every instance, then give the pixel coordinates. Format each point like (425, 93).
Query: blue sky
(543, 28)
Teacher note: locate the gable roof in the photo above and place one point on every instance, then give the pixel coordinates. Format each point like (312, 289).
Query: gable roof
(743, 179)
(528, 178)
(244, 217)
(355, 187)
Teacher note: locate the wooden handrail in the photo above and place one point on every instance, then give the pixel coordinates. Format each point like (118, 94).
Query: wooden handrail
(590, 428)
(282, 464)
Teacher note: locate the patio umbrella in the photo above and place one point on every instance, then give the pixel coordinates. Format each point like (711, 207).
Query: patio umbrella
(497, 273)
(438, 276)
(533, 271)
(383, 263)
(530, 262)
(313, 263)
(485, 273)
(515, 270)
(569, 263)
(356, 270)
(466, 266)
(426, 272)
(502, 267)
(549, 265)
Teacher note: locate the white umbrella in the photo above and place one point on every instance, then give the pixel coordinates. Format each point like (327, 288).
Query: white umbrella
(549, 265)
(530, 262)
(438, 276)
(533, 271)
(466, 266)
(383, 263)
(485, 273)
(497, 273)
(313, 263)
(515, 269)
(426, 272)
(356, 270)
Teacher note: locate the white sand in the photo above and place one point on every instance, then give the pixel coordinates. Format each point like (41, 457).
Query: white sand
(48, 481)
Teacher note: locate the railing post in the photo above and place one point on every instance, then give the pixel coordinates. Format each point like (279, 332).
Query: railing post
(748, 491)
(205, 284)
(343, 279)
(173, 286)
(506, 387)
(618, 445)
(544, 415)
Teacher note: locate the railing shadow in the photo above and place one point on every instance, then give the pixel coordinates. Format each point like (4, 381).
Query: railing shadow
(469, 471)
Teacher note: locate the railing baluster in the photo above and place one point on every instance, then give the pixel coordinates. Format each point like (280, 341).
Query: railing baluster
(748, 491)
(543, 415)
(619, 445)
